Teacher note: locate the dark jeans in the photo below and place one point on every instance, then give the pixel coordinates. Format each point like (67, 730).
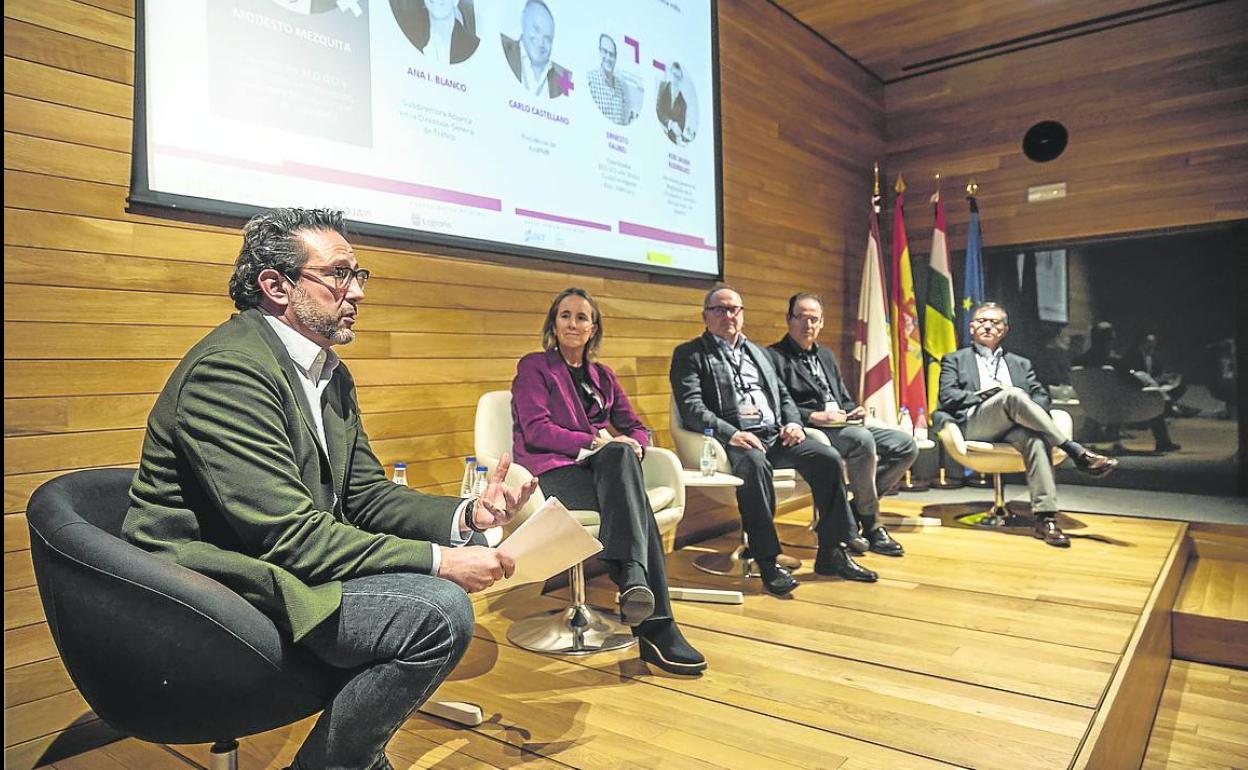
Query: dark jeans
(821, 467)
(400, 634)
(611, 483)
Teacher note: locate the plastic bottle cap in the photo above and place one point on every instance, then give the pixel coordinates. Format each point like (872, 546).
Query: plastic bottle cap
(470, 459)
(400, 466)
(482, 468)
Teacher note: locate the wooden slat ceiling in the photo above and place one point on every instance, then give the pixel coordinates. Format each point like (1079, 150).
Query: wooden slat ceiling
(894, 39)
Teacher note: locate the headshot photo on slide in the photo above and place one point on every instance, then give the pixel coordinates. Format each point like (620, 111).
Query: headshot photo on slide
(616, 92)
(529, 55)
(445, 31)
(676, 105)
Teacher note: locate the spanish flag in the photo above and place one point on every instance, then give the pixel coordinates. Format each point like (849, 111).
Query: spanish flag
(907, 347)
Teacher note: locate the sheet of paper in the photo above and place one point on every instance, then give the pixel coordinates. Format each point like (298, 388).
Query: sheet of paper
(585, 454)
(547, 543)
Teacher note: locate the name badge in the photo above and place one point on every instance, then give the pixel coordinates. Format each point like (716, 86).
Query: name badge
(750, 415)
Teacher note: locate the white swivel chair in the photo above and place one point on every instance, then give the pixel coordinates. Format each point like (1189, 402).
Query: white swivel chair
(788, 485)
(577, 629)
(995, 458)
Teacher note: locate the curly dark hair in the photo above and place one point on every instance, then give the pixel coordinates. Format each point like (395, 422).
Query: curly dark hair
(271, 241)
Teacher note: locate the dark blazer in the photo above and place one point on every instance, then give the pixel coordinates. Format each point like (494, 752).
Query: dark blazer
(511, 49)
(959, 381)
(413, 19)
(701, 379)
(549, 424)
(805, 390)
(667, 109)
(233, 482)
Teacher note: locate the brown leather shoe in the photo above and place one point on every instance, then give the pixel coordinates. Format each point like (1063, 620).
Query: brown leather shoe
(788, 562)
(1048, 531)
(1096, 465)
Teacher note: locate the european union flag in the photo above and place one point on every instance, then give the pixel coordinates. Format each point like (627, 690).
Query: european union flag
(973, 280)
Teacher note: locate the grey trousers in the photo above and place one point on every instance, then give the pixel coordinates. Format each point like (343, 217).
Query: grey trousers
(1012, 416)
(875, 458)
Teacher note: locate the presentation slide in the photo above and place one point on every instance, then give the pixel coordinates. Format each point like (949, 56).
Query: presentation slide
(577, 130)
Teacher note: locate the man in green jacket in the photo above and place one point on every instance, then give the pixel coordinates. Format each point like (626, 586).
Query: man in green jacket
(256, 472)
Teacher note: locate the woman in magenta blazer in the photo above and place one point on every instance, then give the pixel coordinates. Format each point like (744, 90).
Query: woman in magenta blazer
(563, 402)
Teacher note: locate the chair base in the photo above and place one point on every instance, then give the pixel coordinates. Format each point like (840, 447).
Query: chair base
(223, 756)
(995, 518)
(575, 630)
(735, 564)
(911, 484)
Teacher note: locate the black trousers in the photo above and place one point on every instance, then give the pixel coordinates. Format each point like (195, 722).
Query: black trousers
(612, 484)
(821, 467)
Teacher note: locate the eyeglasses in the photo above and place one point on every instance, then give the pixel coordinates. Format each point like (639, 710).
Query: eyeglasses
(997, 322)
(727, 311)
(807, 319)
(342, 275)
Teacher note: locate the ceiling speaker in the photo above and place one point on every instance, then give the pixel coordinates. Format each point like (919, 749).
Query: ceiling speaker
(1044, 141)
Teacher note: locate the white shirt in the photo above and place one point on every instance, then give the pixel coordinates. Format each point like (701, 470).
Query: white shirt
(316, 366)
(439, 46)
(535, 84)
(992, 369)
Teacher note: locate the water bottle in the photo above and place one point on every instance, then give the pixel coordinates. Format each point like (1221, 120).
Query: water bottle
(400, 474)
(480, 479)
(708, 462)
(904, 423)
(920, 427)
(468, 479)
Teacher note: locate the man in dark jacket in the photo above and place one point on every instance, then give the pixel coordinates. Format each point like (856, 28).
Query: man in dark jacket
(995, 396)
(724, 382)
(257, 472)
(875, 456)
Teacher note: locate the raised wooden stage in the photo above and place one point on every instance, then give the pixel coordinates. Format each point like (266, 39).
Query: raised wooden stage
(977, 649)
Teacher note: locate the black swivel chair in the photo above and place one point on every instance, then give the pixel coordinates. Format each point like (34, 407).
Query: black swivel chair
(158, 651)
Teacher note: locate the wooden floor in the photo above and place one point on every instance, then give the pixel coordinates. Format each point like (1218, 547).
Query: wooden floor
(977, 649)
(1202, 721)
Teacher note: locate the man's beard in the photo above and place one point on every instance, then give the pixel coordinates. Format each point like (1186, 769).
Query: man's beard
(319, 321)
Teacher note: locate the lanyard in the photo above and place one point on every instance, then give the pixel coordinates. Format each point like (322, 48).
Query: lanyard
(816, 371)
(736, 367)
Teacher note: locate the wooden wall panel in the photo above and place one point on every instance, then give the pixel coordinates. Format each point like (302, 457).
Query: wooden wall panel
(99, 304)
(1157, 113)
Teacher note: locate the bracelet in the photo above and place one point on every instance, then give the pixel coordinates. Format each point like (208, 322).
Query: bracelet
(470, 515)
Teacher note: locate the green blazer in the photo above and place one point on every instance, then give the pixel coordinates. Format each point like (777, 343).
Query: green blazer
(233, 483)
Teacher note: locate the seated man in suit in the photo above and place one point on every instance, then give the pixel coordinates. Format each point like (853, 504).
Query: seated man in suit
(256, 472)
(995, 396)
(875, 456)
(724, 382)
(529, 57)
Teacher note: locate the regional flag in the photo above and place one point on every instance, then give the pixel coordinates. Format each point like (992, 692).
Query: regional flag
(973, 286)
(872, 342)
(939, 336)
(907, 347)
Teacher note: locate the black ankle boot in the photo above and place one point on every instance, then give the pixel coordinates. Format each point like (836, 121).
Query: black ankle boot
(661, 644)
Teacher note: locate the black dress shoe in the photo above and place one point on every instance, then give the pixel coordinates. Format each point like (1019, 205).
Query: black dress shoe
(661, 644)
(836, 562)
(1048, 531)
(882, 542)
(776, 579)
(859, 544)
(1171, 447)
(1096, 465)
(636, 604)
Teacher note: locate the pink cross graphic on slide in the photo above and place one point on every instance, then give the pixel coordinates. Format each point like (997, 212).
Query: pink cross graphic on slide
(565, 82)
